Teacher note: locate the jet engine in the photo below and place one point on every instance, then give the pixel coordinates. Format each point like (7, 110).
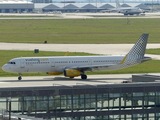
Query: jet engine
(53, 73)
(72, 73)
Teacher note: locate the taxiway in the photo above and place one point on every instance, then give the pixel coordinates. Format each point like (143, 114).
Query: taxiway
(92, 80)
(102, 49)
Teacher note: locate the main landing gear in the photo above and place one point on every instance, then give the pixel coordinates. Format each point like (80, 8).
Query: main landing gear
(83, 76)
(20, 76)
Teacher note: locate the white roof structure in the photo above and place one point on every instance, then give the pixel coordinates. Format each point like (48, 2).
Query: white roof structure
(40, 5)
(13, 1)
(85, 5)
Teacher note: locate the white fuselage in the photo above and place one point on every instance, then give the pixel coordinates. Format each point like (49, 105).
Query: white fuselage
(73, 66)
(130, 10)
(57, 64)
(127, 10)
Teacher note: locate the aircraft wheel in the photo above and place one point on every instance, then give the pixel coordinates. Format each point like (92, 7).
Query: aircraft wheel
(19, 78)
(71, 77)
(83, 76)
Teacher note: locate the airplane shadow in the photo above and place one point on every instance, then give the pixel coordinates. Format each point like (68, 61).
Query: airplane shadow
(99, 80)
(88, 79)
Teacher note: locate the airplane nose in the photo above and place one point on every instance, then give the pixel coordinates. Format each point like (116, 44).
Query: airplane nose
(5, 68)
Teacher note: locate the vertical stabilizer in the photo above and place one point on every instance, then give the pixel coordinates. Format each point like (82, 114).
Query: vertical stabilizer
(139, 48)
(117, 4)
(135, 55)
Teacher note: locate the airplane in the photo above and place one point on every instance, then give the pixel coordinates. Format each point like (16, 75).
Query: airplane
(74, 66)
(128, 10)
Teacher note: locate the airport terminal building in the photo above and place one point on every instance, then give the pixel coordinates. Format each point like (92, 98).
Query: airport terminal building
(21, 6)
(84, 7)
(16, 6)
(109, 101)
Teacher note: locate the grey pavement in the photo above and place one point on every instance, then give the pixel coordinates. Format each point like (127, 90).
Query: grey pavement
(61, 80)
(76, 16)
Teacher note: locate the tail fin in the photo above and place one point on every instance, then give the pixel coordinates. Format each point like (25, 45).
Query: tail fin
(135, 55)
(140, 47)
(137, 52)
(117, 4)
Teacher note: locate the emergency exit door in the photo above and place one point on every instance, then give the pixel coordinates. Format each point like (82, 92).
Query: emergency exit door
(52, 63)
(22, 64)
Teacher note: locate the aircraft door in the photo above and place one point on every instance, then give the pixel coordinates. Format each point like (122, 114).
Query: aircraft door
(52, 63)
(89, 62)
(22, 63)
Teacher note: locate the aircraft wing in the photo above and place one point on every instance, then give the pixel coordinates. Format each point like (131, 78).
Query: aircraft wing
(126, 8)
(90, 67)
(122, 8)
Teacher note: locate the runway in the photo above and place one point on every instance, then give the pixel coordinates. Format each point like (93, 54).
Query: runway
(61, 80)
(75, 15)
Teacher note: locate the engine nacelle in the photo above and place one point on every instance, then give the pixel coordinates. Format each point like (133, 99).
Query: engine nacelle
(54, 73)
(72, 73)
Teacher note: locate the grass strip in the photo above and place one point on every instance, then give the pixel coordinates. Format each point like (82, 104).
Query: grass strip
(78, 31)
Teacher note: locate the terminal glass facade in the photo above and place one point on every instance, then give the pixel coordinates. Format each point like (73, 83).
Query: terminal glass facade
(126, 101)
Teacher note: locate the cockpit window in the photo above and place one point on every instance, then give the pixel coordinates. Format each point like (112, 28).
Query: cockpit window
(11, 62)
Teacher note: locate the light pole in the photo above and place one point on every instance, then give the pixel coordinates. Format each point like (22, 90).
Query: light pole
(64, 6)
(96, 6)
(152, 5)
